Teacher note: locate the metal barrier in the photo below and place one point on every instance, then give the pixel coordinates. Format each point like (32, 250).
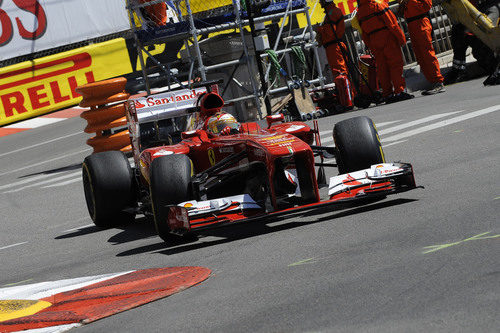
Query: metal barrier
(106, 114)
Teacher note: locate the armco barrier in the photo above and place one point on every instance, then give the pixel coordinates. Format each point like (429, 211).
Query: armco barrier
(106, 114)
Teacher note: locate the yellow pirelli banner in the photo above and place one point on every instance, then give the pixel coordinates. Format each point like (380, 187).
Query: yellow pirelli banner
(317, 14)
(47, 84)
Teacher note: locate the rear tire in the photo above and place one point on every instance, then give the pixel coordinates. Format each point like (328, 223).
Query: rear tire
(170, 184)
(109, 188)
(358, 144)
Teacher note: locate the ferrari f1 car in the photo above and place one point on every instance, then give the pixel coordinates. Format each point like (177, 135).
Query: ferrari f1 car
(189, 179)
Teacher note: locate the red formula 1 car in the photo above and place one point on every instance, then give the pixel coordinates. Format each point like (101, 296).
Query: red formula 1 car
(189, 178)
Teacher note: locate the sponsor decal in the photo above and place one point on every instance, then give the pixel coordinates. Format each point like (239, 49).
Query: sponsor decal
(226, 150)
(281, 143)
(47, 84)
(23, 23)
(29, 26)
(294, 128)
(152, 101)
(274, 137)
(168, 98)
(211, 156)
(138, 104)
(281, 140)
(386, 171)
(163, 152)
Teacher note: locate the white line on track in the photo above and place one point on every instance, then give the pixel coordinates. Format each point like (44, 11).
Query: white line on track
(322, 133)
(443, 123)
(47, 161)
(41, 143)
(393, 143)
(35, 122)
(80, 228)
(71, 181)
(27, 180)
(9, 246)
(379, 125)
(416, 122)
(46, 182)
(383, 124)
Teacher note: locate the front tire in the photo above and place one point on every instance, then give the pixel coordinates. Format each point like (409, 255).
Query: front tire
(358, 144)
(170, 184)
(109, 188)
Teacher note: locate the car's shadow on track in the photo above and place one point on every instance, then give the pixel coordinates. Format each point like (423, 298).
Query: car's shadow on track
(79, 232)
(142, 228)
(261, 227)
(71, 167)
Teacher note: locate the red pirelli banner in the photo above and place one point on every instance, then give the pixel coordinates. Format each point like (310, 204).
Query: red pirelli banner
(37, 87)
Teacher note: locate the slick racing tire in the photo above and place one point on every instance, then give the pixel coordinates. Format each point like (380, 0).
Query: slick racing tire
(358, 144)
(109, 188)
(170, 184)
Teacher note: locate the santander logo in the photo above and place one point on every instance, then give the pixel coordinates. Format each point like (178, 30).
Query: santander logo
(189, 95)
(138, 105)
(181, 98)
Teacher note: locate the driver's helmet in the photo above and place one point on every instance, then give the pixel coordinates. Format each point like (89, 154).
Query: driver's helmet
(218, 122)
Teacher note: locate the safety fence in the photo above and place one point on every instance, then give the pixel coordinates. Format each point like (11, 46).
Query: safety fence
(55, 72)
(441, 24)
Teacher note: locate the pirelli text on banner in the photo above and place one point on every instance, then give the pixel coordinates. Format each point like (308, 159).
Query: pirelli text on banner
(47, 84)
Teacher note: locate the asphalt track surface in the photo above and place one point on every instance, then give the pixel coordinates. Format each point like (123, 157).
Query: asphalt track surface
(367, 269)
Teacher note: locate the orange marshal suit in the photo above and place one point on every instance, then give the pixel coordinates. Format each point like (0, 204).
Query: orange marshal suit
(331, 32)
(420, 28)
(384, 37)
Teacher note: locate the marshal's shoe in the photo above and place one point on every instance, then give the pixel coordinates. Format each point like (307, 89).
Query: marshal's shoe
(437, 88)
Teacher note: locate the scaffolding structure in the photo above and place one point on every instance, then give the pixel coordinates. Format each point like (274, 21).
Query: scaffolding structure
(197, 33)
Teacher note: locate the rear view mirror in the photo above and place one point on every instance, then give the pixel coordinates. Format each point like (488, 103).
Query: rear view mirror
(276, 118)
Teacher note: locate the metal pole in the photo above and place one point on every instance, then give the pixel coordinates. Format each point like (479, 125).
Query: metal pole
(231, 25)
(237, 9)
(201, 68)
(315, 49)
(276, 43)
(138, 46)
(263, 82)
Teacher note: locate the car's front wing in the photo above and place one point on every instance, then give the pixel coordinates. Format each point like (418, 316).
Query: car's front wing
(378, 181)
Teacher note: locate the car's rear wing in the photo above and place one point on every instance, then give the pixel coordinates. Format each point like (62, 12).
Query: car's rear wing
(149, 117)
(170, 104)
